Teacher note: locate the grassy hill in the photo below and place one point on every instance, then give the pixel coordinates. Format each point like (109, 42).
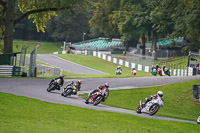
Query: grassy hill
(25, 115)
(45, 47)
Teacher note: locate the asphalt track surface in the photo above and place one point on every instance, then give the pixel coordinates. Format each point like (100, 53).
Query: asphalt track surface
(66, 65)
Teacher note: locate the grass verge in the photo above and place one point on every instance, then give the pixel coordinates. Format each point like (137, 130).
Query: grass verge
(25, 115)
(178, 100)
(101, 65)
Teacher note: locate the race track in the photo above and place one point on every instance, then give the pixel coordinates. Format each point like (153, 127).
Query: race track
(36, 88)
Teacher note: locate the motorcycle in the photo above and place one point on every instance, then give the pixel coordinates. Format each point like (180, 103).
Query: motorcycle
(118, 72)
(198, 120)
(154, 72)
(150, 107)
(54, 85)
(69, 90)
(159, 71)
(166, 71)
(96, 98)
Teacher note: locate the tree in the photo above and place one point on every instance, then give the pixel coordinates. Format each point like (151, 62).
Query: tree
(69, 28)
(101, 18)
(186, 16)
(39, 11)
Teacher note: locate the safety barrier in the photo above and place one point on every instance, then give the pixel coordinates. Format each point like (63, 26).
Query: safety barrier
(179, 72)
(176, 72)
(8, 71)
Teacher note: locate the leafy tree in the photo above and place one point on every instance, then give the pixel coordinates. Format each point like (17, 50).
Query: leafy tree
(187, 21)
(101, 18)
(39, 11)
(69, 28)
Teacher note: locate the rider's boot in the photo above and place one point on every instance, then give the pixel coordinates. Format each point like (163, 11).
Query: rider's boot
(87, 100)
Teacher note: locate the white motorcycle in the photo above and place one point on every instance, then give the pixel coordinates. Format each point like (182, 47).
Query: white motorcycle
(118, 72)
(198, 120)
(150, 107)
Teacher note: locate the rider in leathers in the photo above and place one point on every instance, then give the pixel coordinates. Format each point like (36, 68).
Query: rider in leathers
(159, 94)
(103, 88)
(61, 77)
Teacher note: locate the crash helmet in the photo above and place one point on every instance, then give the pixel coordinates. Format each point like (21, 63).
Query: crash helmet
(58, 81)
(79, 81)
(107, 85)
(118, 66)
(160, 93)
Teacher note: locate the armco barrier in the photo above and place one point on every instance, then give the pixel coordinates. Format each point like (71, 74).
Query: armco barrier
(6, 71)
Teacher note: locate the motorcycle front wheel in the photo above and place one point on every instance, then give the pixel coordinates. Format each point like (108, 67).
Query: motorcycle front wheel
(198, 120)
(153, 109)
(51, 87)
(98, 100)
(68, 92)
(139, 109)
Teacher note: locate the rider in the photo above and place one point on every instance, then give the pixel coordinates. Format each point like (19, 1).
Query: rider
(99, 89)
(152, 67)
(157, 66)
(61, 81)
(165, 69)
(78, 85)
(159, 94)
(119, 69)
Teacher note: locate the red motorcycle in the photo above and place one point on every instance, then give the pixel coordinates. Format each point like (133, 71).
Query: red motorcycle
(96, 98)
(159, 71)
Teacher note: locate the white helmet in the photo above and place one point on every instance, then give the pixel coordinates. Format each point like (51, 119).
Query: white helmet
(160, 93)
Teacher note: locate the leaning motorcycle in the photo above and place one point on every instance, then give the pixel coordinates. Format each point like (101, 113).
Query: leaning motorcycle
(69, 90)
(198, 120)
(118, 72)
(96, 98)
(150, 107)
(159, 71)
(54, 85)
(154, 72)
(167, 72)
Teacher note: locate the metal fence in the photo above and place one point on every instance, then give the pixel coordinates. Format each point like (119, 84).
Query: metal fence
(139, 59)
(43, 70)
(168, 53)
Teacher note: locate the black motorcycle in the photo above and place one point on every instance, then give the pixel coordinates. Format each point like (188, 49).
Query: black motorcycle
(166, 71)
(54, 85)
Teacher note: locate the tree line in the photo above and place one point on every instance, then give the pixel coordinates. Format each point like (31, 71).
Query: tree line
(130, 20)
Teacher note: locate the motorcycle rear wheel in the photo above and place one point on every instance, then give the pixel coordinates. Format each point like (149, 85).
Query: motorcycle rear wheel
(68, 92)
(98, 99)
(154, 109)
